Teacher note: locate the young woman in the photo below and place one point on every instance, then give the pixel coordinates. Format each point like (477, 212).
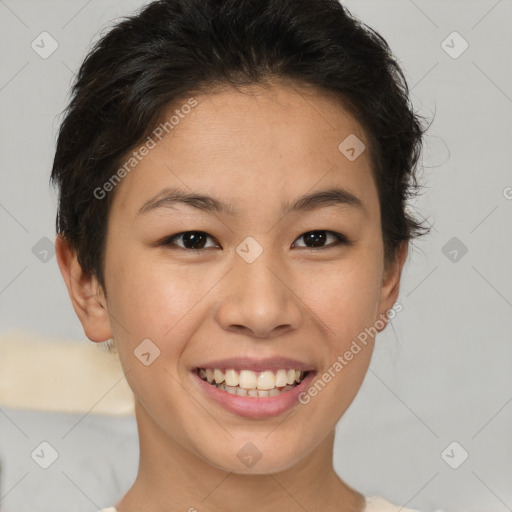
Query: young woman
(233, 178)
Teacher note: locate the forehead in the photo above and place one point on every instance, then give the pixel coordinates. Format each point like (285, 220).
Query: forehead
(254, 147)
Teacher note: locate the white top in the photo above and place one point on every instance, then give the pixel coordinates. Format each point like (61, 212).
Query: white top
(373, 504)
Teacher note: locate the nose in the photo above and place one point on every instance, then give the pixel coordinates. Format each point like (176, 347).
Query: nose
(259, 299)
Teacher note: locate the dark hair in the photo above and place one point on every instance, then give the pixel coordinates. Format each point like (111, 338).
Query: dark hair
(172, 49)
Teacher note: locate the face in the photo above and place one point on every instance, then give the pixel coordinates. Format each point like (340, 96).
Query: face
(256, 280)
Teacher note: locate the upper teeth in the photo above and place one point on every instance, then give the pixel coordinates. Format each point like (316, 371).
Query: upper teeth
(248, 379)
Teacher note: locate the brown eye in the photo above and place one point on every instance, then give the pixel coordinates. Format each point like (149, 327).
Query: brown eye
(316, 239)
(194, 240)
(197, 240)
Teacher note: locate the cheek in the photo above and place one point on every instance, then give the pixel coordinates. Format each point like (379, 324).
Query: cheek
(151, 300)
(134, 292)
(345, 297)
(346, 302)
(149, 309)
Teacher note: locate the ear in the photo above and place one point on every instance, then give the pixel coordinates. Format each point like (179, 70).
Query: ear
(391, 282)
(87, 295)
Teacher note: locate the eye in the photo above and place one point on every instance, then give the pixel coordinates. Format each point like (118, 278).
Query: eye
(317, 238)
(196, 240)
(191, 240)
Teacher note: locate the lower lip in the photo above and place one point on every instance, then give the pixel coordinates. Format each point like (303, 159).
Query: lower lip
(253, 407)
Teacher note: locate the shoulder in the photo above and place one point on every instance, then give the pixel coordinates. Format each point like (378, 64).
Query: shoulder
(379, 504)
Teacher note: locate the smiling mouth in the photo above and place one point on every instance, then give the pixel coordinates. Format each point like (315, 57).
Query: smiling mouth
(253, 384)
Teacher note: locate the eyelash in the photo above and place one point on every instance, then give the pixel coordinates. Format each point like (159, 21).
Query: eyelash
(340, 240)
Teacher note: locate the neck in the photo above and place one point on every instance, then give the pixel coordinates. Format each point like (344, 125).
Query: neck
(171, 478)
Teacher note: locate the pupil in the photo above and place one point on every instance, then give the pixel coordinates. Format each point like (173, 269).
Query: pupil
(315, 237)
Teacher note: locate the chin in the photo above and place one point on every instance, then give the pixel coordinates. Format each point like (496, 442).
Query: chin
(251, 460)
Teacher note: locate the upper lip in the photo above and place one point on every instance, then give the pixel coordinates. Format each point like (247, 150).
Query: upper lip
(257, 365)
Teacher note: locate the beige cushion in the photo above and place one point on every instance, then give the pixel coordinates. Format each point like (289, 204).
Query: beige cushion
(43, 373)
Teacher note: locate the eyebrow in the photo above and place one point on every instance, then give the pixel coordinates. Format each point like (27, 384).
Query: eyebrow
(169, 197)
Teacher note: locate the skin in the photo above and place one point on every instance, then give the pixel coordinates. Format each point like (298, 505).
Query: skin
(255, 148)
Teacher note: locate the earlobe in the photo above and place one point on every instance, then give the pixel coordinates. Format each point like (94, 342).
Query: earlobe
(85, 292)
(391, 283)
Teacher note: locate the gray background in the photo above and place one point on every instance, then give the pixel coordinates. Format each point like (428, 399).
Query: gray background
(441, 371)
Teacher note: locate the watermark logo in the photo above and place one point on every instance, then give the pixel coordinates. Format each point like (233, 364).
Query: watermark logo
(146, 352)
(352, 147)
(249, 249)
(454, 249)
(454, 455)
(44, 455)
(454, 45)
(44, 45)
(44, 250)
(249, 455)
